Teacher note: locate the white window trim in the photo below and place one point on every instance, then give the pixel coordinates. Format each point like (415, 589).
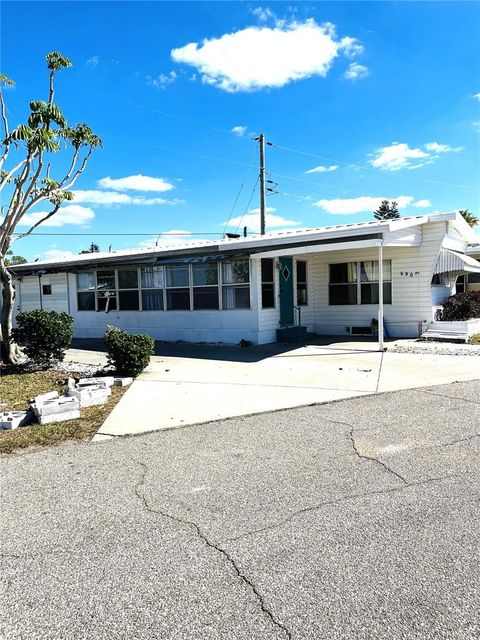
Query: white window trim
(359, 283)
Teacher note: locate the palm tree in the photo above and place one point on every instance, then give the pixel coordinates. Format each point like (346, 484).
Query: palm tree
(472, 220)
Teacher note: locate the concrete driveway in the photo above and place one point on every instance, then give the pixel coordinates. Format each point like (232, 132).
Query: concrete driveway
(356, 520)
(188, 384)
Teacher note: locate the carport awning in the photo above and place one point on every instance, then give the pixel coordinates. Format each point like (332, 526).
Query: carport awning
(451, 261)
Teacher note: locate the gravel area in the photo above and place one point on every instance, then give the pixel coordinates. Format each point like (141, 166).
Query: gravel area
(435, 348)
(86, 370)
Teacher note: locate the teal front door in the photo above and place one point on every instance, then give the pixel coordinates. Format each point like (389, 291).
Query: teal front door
(286, 291)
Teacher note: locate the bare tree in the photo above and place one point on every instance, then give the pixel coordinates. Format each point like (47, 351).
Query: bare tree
(30, 181)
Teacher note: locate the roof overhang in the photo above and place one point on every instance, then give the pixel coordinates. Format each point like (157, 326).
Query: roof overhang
(316, 248)
(453, 262)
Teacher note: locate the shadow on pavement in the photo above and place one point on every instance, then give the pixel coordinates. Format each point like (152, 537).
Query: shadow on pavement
(253, 353)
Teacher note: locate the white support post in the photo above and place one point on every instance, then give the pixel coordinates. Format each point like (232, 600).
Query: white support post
(380, 297)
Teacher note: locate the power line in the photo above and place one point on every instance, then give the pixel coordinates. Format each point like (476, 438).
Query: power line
(147, 233)
(319, 184)
(181, 151)
(239, 191)
(249, 202)
(376, 171)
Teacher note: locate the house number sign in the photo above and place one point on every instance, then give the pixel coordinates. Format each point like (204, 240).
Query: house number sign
(409, 274)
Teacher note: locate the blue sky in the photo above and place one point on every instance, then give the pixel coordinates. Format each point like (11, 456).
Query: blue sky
(363, 100)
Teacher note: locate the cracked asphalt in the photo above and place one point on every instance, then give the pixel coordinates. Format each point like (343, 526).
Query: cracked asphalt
(355, 519)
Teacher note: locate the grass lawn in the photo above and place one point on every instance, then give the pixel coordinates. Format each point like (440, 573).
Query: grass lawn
(17, 389)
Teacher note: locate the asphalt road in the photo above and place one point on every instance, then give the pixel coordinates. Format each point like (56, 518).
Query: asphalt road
(357, 519)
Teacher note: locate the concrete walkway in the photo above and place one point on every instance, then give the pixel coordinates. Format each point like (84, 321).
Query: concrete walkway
(191, 384)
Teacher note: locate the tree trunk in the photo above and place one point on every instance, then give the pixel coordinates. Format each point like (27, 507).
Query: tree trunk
(10, 353)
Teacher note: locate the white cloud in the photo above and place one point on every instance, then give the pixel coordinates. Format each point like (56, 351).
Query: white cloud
(322, 169)
(111, 198)
(70, 214)
(422, 203)
(264, 14)
(476, 96)
(356, 71)
(441, 148)
(398, 156)
(162, 80)
(351, 47)
(252, 220)
(54, 254)
(239, 131)
(93, 62)
(135, 183)
(349, 206)
(257, 57)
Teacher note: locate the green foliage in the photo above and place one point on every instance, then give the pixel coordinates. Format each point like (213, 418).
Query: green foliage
(128, 353)
(387, 211)
(6, 81)
(10, 262)
(44, 335)
(469, 217)
(56, 61)
(462, 306)
(475, 339)
(81, 135)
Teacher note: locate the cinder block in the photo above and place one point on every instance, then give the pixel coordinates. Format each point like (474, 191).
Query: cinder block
(59, 417)
(104, 382)
(45, 397)
(122, 381)
(89, 396)
(56, 406)
(14, 419)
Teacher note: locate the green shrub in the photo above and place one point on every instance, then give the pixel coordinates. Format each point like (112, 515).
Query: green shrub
(475, 339)
(128, 353)
(44, 335)
(462, 306)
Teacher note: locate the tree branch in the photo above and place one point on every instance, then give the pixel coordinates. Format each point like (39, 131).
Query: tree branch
(49, 215)
(9, 175)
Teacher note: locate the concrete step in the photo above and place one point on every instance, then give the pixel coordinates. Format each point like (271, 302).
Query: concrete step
(445, 335)
(292, 334)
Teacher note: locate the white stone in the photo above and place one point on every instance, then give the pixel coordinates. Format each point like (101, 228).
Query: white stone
(122, 381)
(14, 419)
(71, 383)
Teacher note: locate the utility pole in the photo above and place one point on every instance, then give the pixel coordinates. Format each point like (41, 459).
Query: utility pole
(263, 197)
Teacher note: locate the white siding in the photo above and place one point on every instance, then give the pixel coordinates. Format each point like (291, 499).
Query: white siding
(29, 293)
(411, 307)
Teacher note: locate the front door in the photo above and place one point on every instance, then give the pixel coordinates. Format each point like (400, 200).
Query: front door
(286, 291)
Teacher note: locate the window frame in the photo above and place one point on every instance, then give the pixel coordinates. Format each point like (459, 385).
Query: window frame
(237, 285)
(161, 268)
(358, 283)
(220, 286)
(268, 283)
(303, 282)
(206, 286)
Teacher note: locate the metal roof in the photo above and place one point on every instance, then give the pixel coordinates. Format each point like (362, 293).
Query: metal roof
(248, 245)
(453, 262)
